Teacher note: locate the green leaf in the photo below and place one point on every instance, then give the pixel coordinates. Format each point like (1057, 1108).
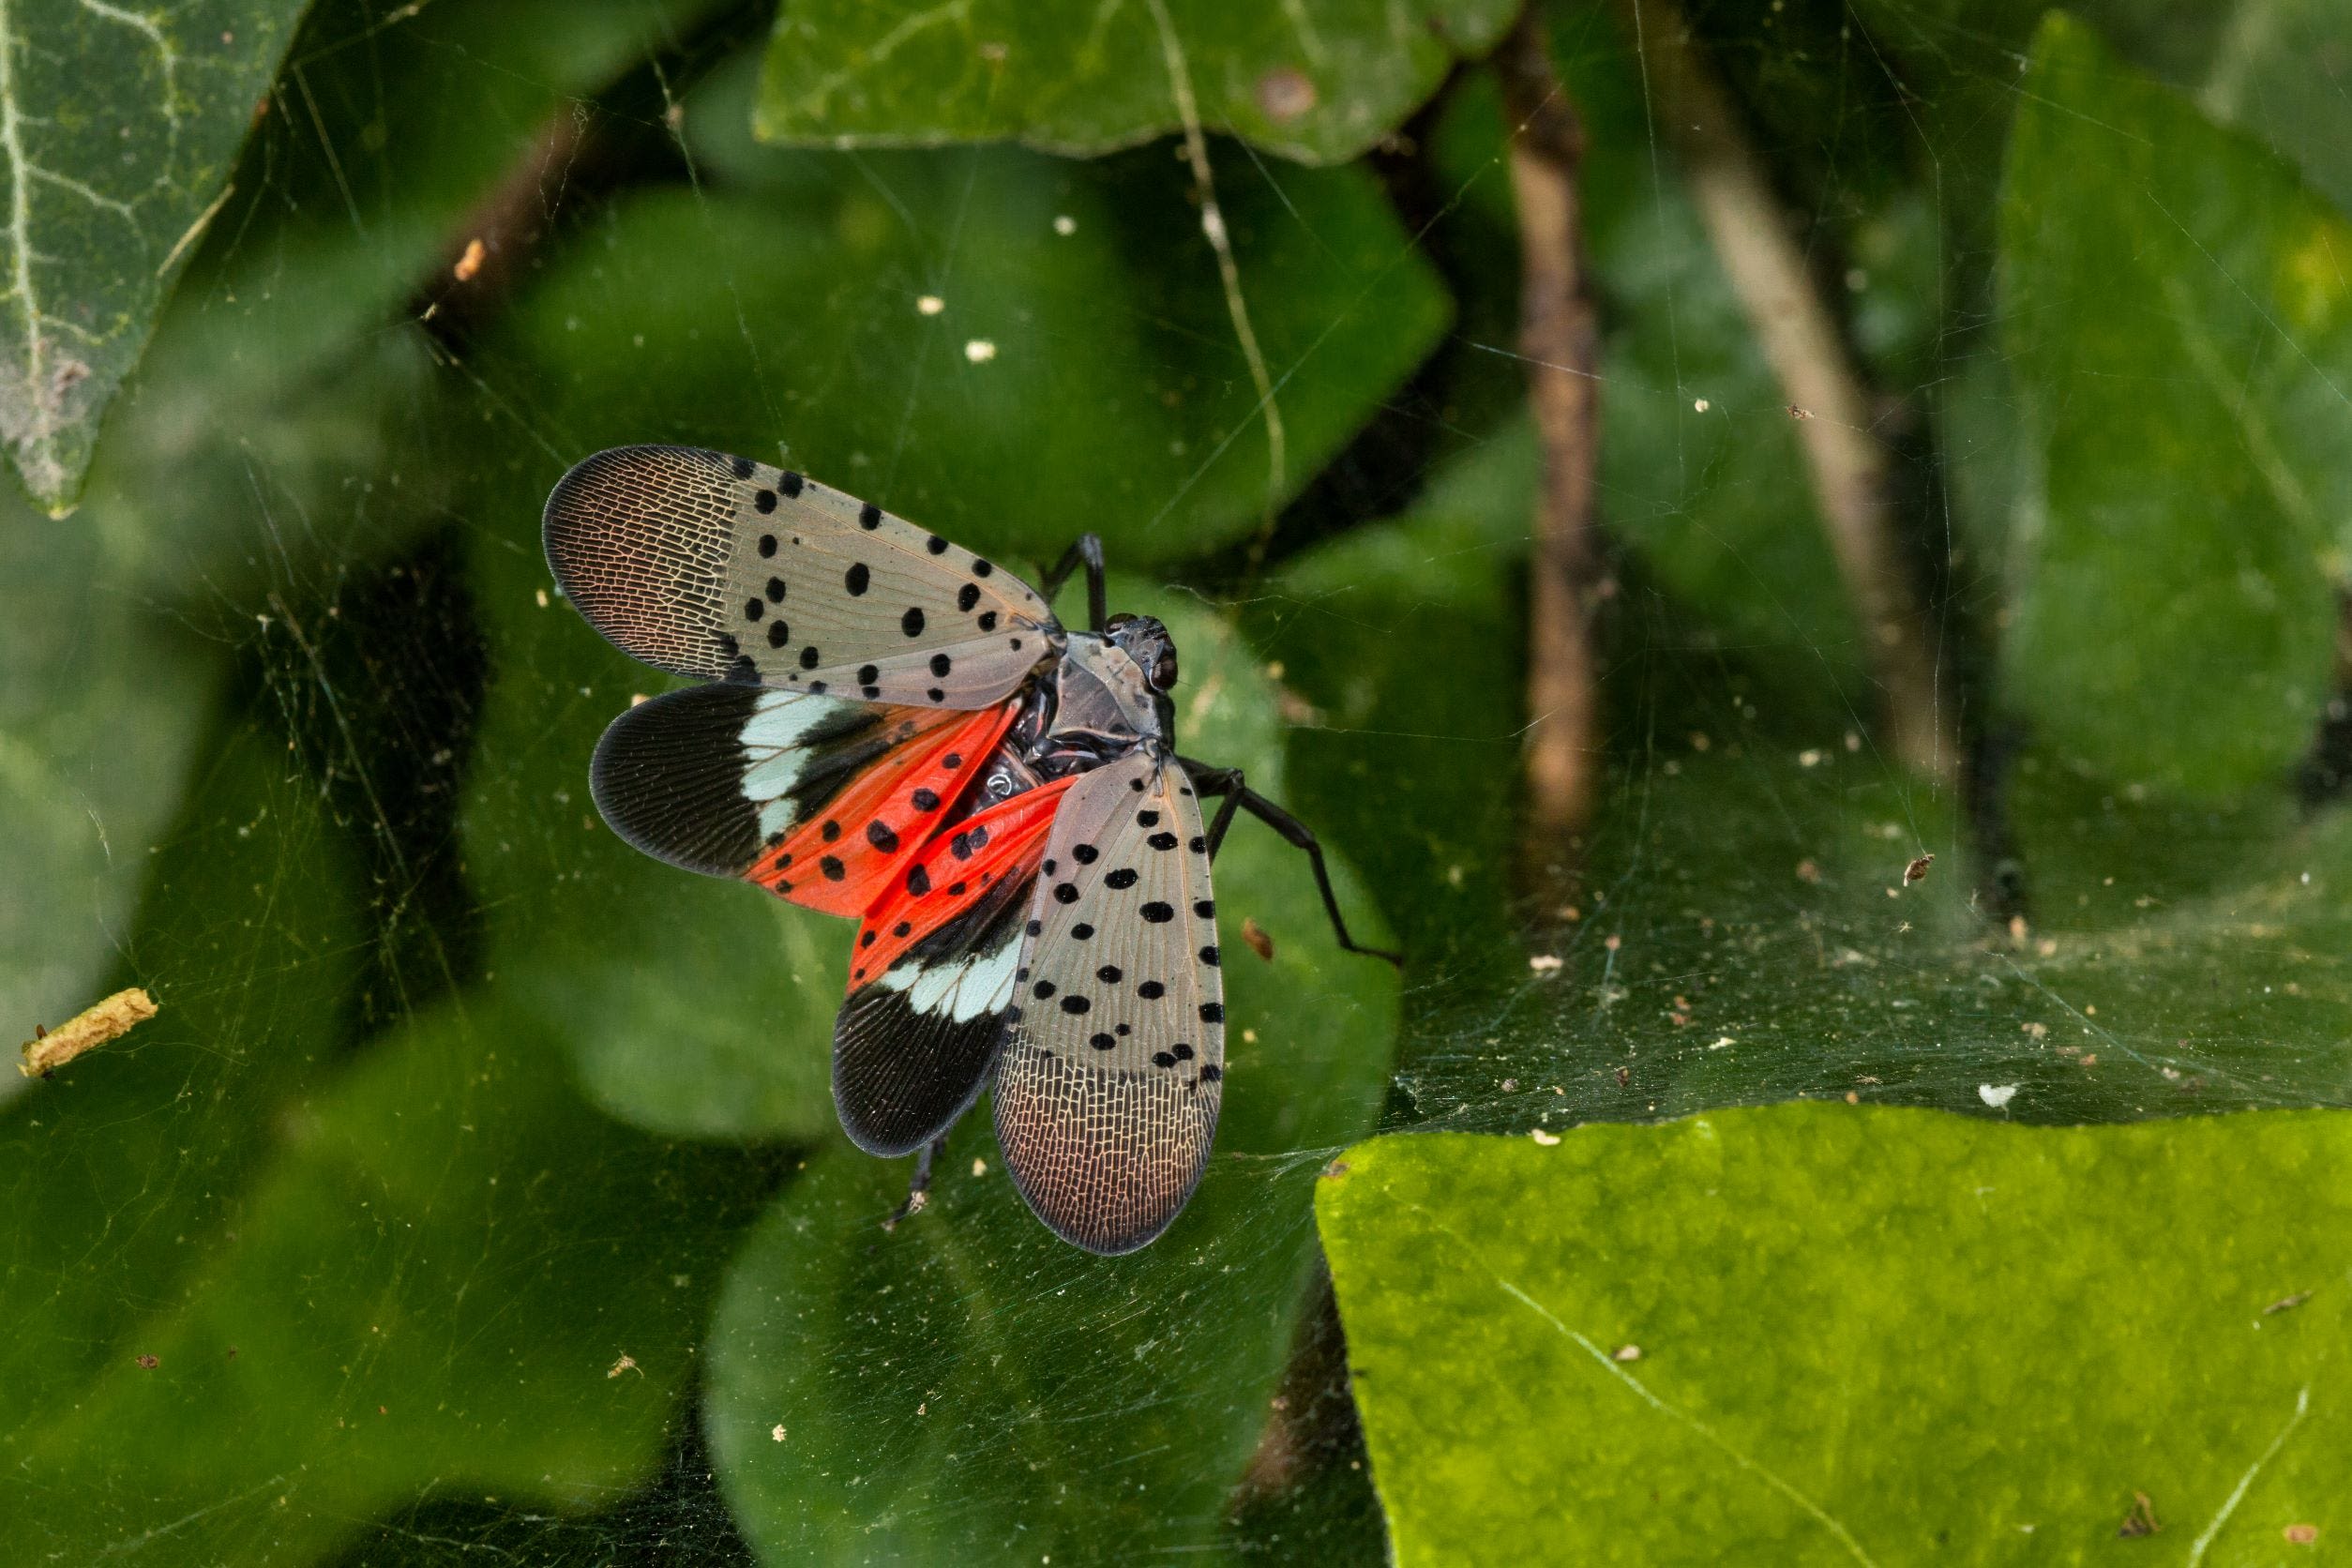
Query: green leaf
(1821, 1375)
(116, 127)
(1316, 80)
(84, 663)
(1060, 382)
(121, 1172)
(433, 1283)
(1401, 641)
(2260, 76)
(970, 1387)
(2180, 327)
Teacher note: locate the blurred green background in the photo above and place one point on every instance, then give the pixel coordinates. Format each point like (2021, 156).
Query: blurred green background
(476, 1196)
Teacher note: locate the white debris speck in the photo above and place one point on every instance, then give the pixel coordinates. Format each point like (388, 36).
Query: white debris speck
(931, 304)
(1723, 1043)
(776, 1431)
(1700, 404)
(1545, 963)
(1626, 1353)
(1547, 1139)
(1997, 1094)
(542, 598)
(979, 1168)
(979, 350)
(1213, 225)
(1065, 225)
(1811, 758)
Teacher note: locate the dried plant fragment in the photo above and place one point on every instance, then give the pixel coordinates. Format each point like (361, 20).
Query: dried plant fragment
(111, 1019)
(1260, 942)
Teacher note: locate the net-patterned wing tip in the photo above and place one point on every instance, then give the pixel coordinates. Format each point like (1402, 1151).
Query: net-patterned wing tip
(637, 538)
(1079, 1166)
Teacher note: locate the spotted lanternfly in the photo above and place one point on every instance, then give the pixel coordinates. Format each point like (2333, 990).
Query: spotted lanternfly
(898, 731)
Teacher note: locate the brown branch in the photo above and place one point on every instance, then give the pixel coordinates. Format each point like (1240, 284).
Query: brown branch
(1560, 341)
(1802, 341)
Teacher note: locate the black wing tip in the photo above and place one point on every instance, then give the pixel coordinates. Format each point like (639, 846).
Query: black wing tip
(874, 1034)
(666, 776)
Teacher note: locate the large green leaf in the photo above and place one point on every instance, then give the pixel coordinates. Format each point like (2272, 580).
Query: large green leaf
(442, 1231)
(1816, 1334)
(1005, 347)
(2180, 322)
(83, 665)
(971, 1388)
(1401, 642)
(2260, 75)
(116, 127)
(121, 1172)
(433, 1283)
(1317, 80)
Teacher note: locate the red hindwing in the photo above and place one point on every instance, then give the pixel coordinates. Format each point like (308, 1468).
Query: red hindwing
(860, 843)
(1004, 843)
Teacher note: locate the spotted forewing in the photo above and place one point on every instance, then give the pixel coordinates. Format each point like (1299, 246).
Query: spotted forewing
(725, 568)
(1111, 1073)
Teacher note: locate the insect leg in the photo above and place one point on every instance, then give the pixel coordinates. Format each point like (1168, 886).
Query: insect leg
(1238, 796)
(918, 1190)
(1088, 551)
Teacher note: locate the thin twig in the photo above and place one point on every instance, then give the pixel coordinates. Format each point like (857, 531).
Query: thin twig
(1826, 397)
(491, 248)
(1560, 338)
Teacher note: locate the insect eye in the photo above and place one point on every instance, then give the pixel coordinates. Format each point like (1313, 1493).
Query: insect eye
(1164, 671)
